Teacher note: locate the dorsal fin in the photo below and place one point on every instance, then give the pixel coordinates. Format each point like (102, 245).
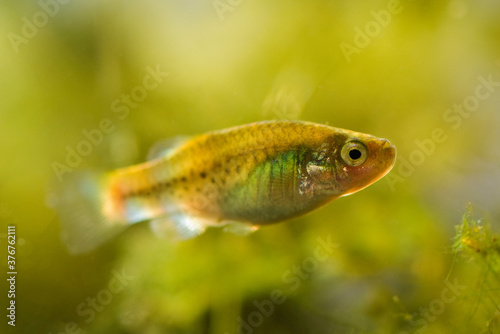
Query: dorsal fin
(166, 146)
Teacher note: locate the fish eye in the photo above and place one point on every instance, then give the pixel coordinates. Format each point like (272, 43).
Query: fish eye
(354, 153)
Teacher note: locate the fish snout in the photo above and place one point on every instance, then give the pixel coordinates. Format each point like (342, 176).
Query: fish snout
(388, 151)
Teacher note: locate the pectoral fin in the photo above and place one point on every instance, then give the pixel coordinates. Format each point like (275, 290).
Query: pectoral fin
(240, 229)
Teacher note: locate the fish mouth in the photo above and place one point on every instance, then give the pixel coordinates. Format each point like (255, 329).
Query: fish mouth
(388, 152)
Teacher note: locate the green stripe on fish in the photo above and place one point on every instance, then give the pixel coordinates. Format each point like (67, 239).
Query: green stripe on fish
(269, 192)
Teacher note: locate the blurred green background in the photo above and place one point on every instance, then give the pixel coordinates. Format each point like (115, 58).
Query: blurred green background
(397, 70)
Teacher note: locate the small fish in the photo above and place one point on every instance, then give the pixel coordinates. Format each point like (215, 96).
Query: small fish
(242, 178)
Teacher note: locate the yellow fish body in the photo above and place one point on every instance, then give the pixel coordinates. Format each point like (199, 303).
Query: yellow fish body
(244, 177)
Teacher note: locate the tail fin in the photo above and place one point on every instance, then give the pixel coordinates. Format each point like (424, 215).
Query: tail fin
(79, 201)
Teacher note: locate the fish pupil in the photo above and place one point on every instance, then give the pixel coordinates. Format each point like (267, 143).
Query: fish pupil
(354, 154)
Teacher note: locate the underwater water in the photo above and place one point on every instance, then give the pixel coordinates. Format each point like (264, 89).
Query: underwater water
(94, 84)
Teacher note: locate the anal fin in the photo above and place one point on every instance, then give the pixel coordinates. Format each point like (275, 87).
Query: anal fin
(181, 226)
(178, 226)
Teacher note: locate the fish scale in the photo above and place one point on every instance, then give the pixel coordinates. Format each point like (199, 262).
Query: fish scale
(249, 175)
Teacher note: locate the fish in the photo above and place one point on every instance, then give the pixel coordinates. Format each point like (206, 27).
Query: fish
(240, 178)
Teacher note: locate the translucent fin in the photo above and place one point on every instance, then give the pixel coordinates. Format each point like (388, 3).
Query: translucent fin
(77, 200)
(164, 147)
(291, 91)
(178, 226)
(240, 229)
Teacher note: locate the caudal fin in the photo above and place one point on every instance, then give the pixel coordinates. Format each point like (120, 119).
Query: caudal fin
(79, 202)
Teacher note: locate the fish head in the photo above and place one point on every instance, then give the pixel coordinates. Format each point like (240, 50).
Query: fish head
(348, 162)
